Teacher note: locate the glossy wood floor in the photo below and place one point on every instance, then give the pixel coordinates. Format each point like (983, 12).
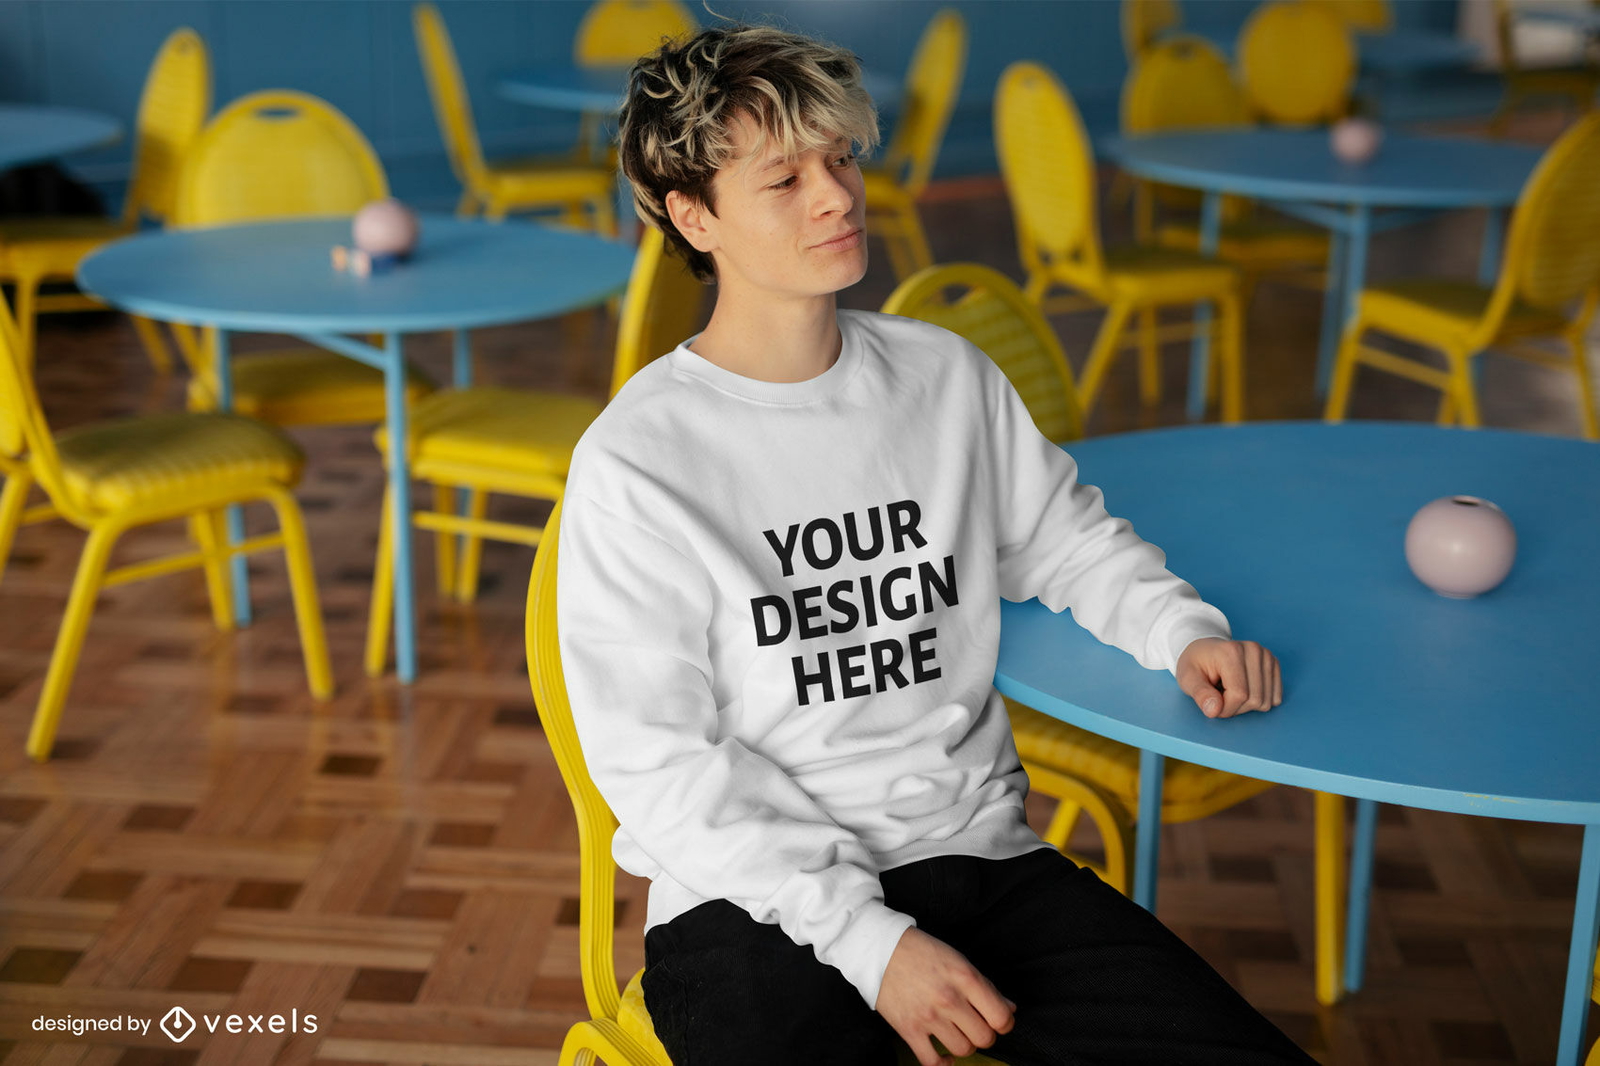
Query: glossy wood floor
(400, 862)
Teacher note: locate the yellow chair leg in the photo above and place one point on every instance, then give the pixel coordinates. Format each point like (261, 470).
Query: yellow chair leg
(303, 586)
(444, 501)
(604, 1041)
(69, 642)
(1108, 814)
(13, 501)
(605, 218)
(1580, 369)
(205, 529)
(382, 610)
(155, 345)
(1231, 316)
(1062, 822)
(916, 240)
(1344, 371)
(1330, 867)
(27, 301)
(1104, 350)
(472, 549)
(1466, 397)
(1447, 409)
(467, 206)
(1149, 359)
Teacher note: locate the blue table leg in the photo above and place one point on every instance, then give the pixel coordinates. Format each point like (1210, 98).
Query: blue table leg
(1200, 348)
(1147, 842)
(1360, 894)
(1332, 309)
(235, 514)
(1580, 960)
(461, 378)
(405, 633)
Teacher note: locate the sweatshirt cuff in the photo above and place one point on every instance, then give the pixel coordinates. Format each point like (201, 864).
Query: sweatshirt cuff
(1191, 628)
(861, 950)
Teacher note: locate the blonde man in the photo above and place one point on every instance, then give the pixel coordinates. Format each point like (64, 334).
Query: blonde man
(784, 547)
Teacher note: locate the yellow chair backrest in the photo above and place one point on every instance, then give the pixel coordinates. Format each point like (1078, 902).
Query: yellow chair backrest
(616, 32)
(172, 110)
(277, 154)
(1365, 16)
(664, 306)
(988, 309)
(1297, 63)
(596, 823)
(1049, 172)
(932, 85)
(23, 429)
(1144, 21)
(451, 107)
(1182, 83)
(1553, 249)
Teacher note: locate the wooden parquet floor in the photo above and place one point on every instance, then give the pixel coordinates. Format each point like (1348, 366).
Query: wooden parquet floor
(390, 877)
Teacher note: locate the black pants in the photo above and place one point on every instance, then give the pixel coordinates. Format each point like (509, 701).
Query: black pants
(1095, 977)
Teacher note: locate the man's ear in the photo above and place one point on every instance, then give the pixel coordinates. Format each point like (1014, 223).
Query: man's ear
(689, 216)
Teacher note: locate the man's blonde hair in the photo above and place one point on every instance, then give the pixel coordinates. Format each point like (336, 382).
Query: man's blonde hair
(683, 99)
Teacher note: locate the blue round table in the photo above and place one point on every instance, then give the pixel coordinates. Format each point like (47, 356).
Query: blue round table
(31, 132)
(601, 89)
(276, 277)
(1391, 692)
(1297, 173)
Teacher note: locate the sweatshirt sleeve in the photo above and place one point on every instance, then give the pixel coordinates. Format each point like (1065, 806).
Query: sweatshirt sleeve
(718, 818)
(1057, 542)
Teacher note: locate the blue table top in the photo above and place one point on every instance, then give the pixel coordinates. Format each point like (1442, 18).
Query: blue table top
(1279, 164)
(1391, 692)
(1585, 19)
(277, 276)
(31, 132)
(601, 89)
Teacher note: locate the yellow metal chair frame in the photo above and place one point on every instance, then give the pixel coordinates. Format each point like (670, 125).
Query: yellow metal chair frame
(1576, 85)
(280, 154)
(618, 1030)
(1090, 775)
(1297, 63)
(932, 84)
(1184, 82)
(110, 477)
(1050, 178)
(1551, 266)
(483, 440)
(1144, 22)
(584, 192)
(172, 108)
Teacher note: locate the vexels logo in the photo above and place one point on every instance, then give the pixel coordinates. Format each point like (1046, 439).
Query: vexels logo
(178, 1024)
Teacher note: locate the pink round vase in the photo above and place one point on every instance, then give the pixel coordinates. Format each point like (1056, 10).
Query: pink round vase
(386, 228)
(1460, 546)
(1355, 140)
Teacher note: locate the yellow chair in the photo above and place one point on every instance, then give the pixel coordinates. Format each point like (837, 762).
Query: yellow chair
(1362, 16)
(932, 85)
(1050, 177)
(1548, 288)
(1086, 773)
(108, 477)
(585, 192)
(1576, 85)
(1297, 63)
(1144, 22)
(275, 155)
(618, 1030)
(485, 439)
(1184, 83)
(172, 108)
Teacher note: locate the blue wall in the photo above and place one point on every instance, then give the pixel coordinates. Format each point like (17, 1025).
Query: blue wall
(360, 56)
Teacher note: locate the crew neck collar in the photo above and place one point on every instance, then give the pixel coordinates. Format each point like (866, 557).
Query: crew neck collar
(688, 361)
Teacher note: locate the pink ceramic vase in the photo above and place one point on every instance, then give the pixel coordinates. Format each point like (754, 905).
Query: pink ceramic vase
(1460, 546)
(386, 229)
(1355, 140)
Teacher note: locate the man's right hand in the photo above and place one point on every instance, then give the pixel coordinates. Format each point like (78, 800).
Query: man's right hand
(930, 989)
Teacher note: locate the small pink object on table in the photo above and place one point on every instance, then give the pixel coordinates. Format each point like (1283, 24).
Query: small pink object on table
(385, 233)
(1460, 546)
(1355, 140)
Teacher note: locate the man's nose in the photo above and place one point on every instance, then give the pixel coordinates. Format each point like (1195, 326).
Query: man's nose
(833, 194)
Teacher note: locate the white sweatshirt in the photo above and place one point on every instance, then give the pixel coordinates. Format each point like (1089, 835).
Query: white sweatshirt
(779, 615)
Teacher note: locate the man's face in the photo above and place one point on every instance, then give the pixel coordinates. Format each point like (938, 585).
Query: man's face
(787, 227)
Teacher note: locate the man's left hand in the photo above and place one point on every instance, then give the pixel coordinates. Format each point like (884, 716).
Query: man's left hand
(1226, 677)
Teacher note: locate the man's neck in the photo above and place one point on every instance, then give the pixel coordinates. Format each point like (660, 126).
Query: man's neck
(784, 342)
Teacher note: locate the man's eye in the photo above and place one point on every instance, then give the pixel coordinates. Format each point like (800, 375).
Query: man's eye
(784, 184)
(845, 160)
